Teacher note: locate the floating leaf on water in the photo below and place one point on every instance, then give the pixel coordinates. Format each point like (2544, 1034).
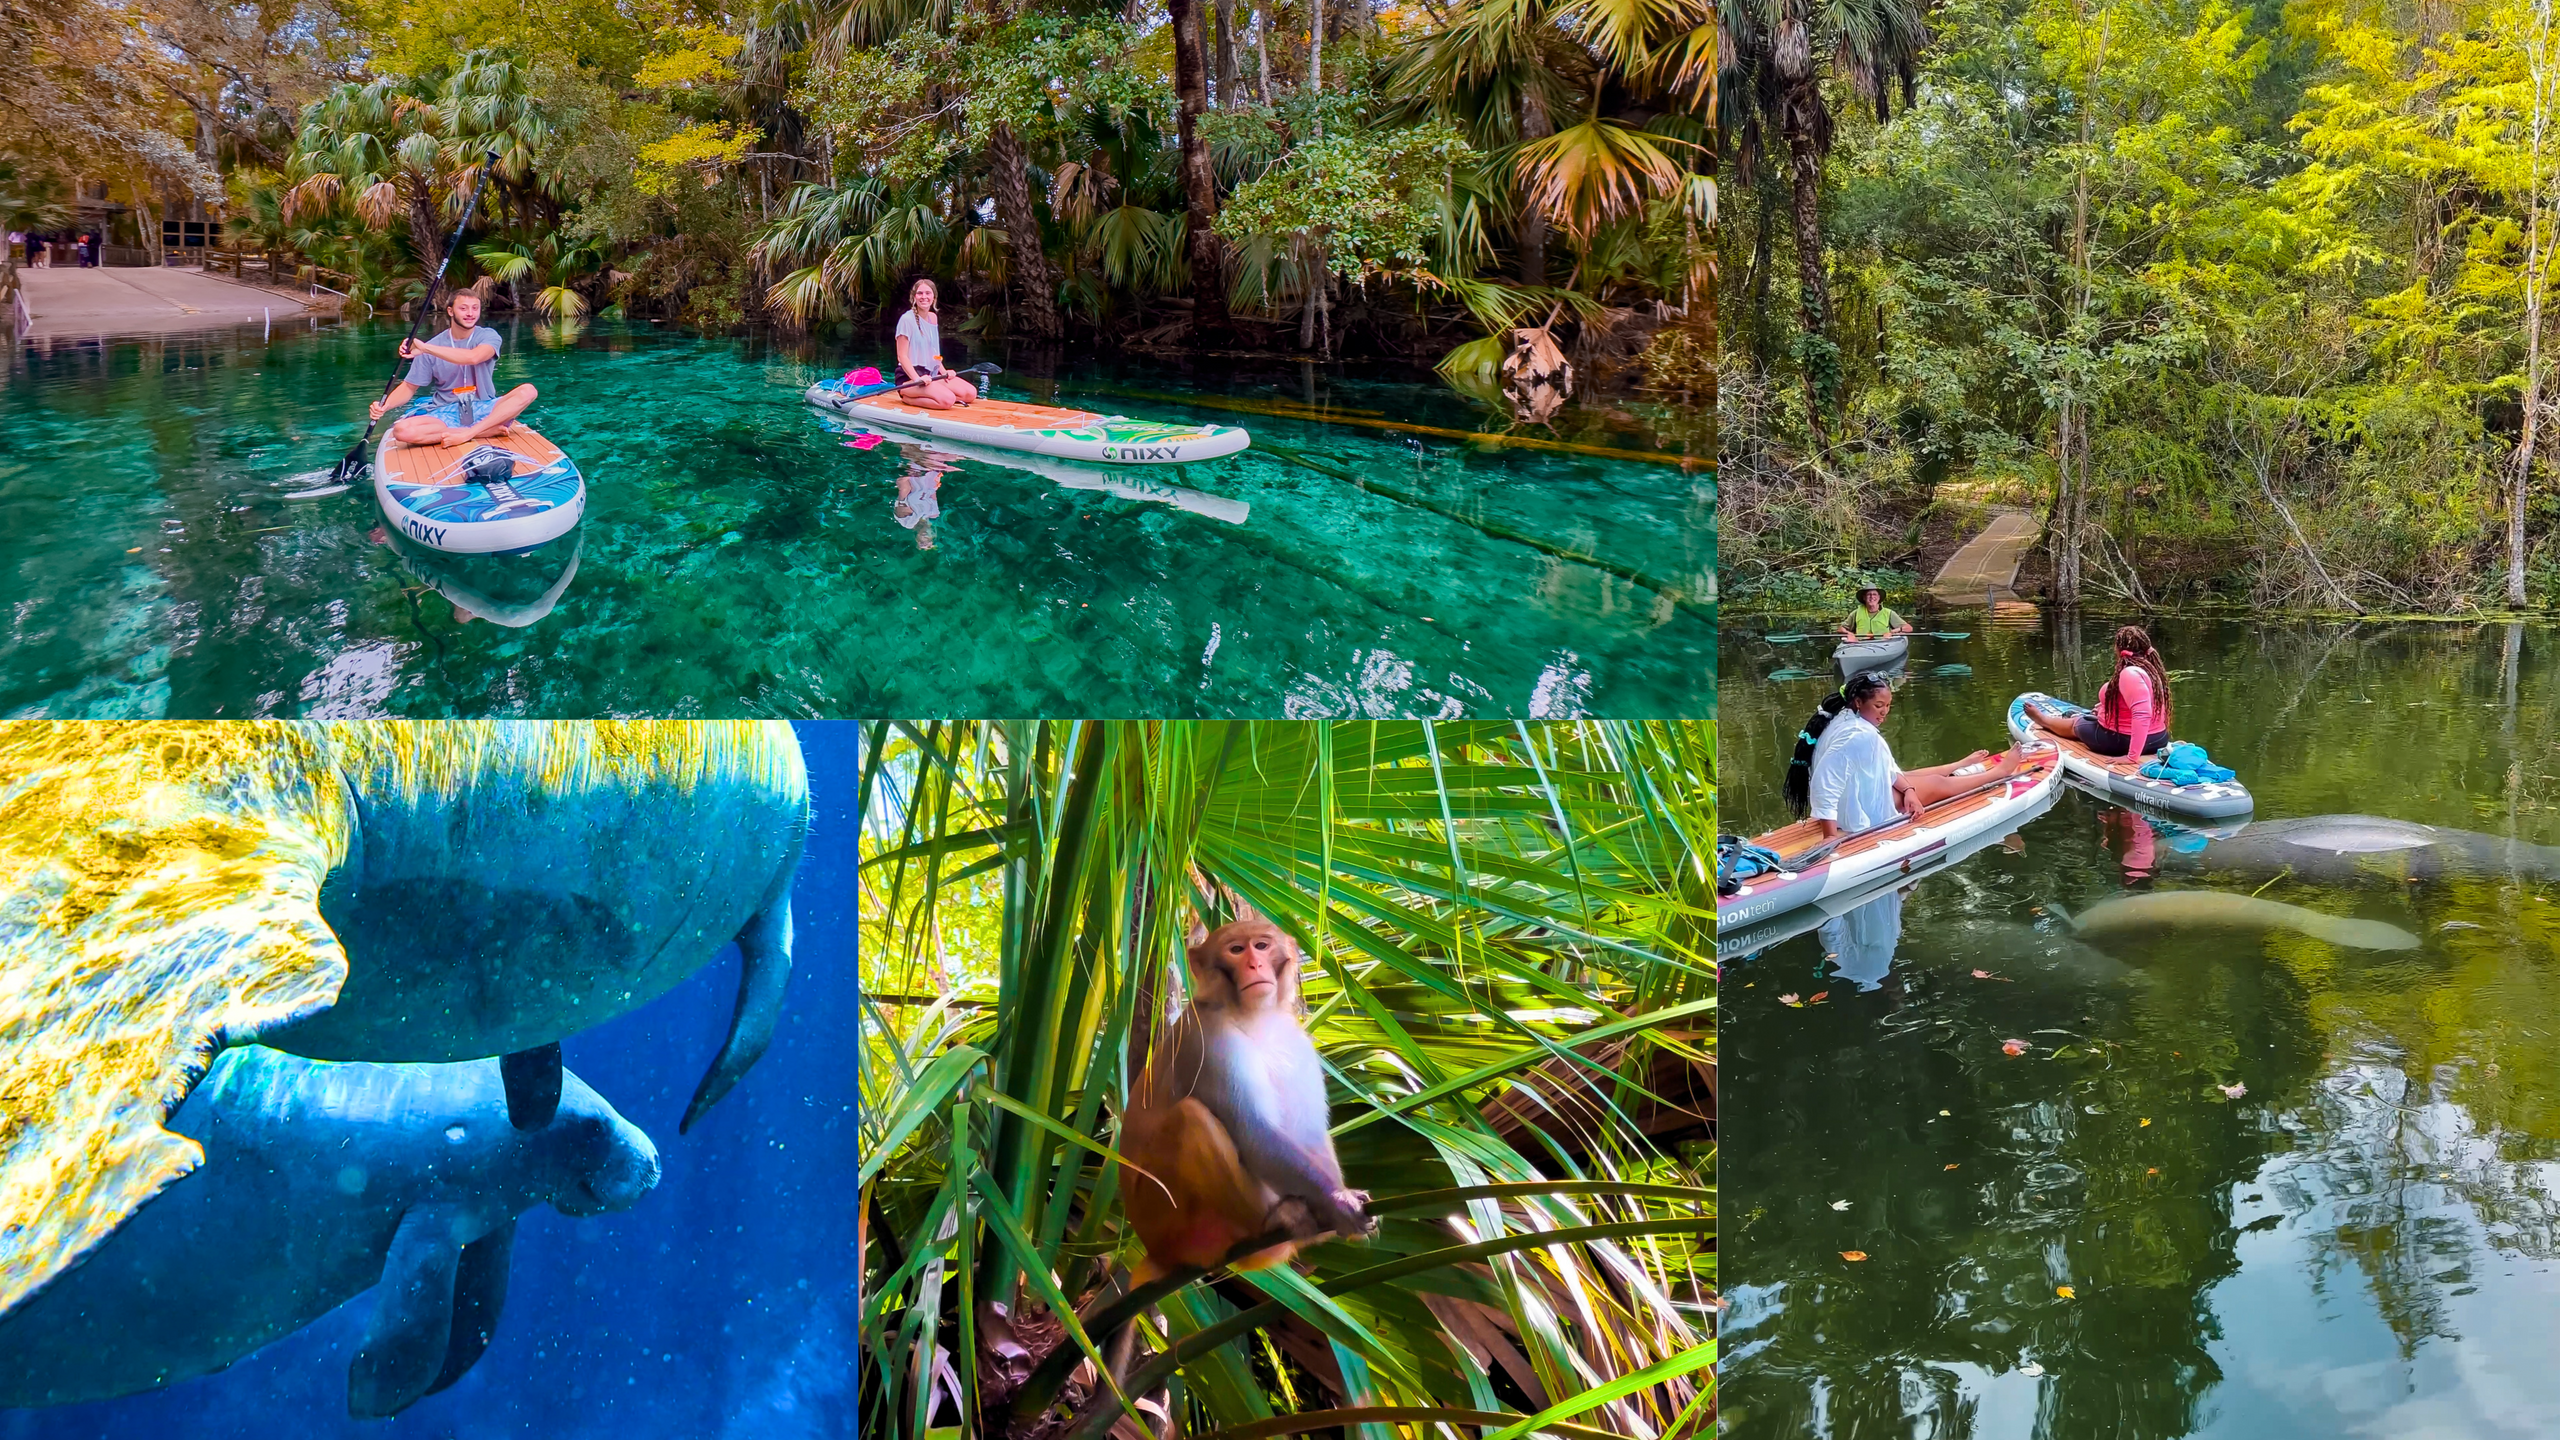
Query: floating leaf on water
(1853, 1255)
(1791, 673)
(1946, 1112)
(2008, 1047)
(2064, 1291)
(1791, 1000)
(1818, 997)
(1951, 1167)
(1839, 1204)
(2146, 1121)
(2234, 1090)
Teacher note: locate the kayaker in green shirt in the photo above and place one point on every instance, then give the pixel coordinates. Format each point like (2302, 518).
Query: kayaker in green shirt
(1871, 621)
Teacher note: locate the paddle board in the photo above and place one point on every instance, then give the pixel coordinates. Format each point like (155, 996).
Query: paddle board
(542, 498)
(1037, 429)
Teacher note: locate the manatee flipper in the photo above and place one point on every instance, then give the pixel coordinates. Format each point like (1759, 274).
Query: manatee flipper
(764, 969)
(479, 1293)
(159, 899)
(404, 1352)
(533, 1085)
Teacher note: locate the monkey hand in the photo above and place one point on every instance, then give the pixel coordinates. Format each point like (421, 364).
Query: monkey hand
(1351, 1216)
(1295, 1218)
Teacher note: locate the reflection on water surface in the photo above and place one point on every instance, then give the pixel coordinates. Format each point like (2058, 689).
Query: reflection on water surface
(2242, 1181)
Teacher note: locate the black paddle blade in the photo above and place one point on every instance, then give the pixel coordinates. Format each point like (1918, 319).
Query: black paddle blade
(352, 466)
(533, 1085)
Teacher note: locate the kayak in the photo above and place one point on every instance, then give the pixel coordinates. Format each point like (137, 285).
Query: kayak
(1038, 429)
(2118, 779)
(540, 498)
(1124, 484)
(1905, 848)
(1857, 657)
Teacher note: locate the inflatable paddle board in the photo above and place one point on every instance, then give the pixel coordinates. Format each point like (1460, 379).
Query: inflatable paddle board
(1127, 486)
(1038, 429)
(2119, 779)
(1900, 850)
(541, 499)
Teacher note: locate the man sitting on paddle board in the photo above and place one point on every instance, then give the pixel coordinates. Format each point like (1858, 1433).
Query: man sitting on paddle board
(1871, 621)
(456, 367)
(922, 380)
(1852, 784)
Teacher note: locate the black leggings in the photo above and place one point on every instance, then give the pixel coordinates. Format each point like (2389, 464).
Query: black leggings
(2103, 741)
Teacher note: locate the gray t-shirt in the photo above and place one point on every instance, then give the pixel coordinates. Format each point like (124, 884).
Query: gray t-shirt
(924, 342)
(446, 378)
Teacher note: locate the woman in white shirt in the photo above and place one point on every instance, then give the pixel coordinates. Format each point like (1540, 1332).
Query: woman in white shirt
(920, 355)
(1843, 773)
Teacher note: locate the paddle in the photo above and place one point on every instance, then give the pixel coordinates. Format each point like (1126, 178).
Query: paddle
(353, 465)
(983, 369)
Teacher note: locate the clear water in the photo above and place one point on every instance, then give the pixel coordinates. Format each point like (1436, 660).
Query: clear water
(722, 1304)
(738, 558)
(2361, 1242)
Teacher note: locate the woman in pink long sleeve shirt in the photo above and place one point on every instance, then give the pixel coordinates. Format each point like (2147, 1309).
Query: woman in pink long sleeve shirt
(2133, 709)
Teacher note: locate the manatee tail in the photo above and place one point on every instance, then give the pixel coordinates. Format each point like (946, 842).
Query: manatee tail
(764, 970)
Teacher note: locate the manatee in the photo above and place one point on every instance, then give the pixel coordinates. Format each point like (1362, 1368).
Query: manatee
(385, 892)
(319, 1180)
(2213, 908)
(2345, 847)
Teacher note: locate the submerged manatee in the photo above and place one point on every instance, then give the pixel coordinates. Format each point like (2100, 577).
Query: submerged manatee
(2213, 908)
(319, 1180)
(2343, 847)
(434, 891)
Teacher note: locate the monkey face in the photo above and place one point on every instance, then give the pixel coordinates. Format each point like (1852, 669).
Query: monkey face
(1249, 965)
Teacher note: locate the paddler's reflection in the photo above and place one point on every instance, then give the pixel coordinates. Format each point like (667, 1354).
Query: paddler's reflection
(2130, 837)
(1859, 945)
(919, 501)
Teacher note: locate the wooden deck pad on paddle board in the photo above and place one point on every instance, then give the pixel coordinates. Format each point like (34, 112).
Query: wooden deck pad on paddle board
(435, 464)
(1004, 414)
(1790, 841)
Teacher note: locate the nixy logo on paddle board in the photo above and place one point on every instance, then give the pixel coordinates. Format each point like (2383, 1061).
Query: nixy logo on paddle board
(420, 530)
(1143, 452)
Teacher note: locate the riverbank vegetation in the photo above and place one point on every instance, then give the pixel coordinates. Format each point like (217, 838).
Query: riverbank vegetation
(1509, 979)
(1341, 177)
(2250, 303)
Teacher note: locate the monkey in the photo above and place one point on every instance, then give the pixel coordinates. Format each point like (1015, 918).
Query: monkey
(1229, 1120)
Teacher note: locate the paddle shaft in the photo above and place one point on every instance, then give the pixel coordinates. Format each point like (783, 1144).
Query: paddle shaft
(489, 163)
(982, 369)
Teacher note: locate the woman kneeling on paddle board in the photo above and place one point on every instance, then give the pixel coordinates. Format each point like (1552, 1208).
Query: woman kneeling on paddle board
(456, 368)
(1843, 772)
(2136, 702)
(922, 380)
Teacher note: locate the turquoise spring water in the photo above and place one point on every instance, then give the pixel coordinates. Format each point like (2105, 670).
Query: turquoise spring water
(738, 558)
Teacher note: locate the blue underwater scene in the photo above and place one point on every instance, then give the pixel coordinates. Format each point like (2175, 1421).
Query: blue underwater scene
(717, 1302)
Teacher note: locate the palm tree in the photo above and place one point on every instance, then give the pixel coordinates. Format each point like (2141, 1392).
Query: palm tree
(1511, 981)
(1199, 181)
(1770, 55)
(382, 144)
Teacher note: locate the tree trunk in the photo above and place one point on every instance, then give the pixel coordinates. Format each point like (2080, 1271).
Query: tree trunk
(1039, 293)
(1813, 291)
(1262, 50)
(422, 222)
(1199, 182)
(1315, 54)
(1534, 125)
(1226, 54)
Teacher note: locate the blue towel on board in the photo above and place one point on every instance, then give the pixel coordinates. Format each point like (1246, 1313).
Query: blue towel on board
(2181, 763)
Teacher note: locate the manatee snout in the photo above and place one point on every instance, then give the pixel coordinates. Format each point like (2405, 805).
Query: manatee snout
(613, 1163)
